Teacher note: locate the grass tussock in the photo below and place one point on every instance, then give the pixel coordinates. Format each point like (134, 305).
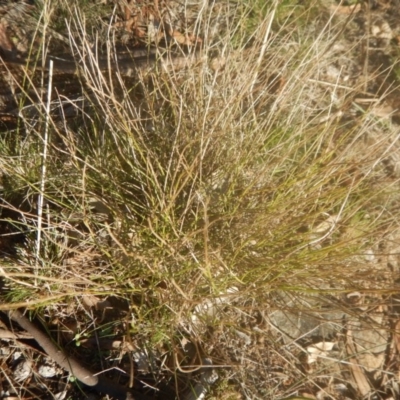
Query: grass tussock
(179, 186)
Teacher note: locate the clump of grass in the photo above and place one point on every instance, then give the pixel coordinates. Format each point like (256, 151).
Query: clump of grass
(179, 186)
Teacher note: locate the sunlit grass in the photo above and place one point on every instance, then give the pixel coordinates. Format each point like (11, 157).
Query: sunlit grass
(176, 188)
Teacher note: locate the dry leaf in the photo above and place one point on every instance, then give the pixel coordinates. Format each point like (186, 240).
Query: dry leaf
(358, 373)
(326, 225)
(90, 301)
(318, 350)
(6, 44)
(187, 40)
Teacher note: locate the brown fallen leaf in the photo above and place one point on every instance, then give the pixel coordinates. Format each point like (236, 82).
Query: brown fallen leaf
(187, 40)
(93, 302)
(358, 373)
(6, 45)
